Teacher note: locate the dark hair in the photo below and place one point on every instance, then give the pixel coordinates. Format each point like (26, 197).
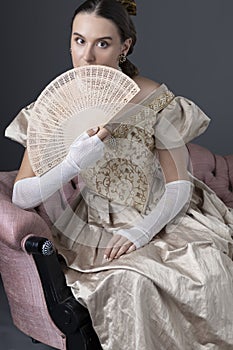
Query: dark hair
(117, 13)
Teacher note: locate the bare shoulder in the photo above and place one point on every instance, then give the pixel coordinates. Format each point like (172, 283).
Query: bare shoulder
(147, 86)
(146, 83)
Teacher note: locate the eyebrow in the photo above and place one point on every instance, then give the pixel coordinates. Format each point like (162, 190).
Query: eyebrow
(102, 38)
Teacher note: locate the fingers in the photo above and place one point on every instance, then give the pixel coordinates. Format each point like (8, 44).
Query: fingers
(131, 249)
(118, 246)
(112, 247)
(103, 133)
(127, 247)
(93, 131)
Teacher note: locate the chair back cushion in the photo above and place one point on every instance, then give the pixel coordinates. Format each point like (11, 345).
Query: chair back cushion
(214, 170)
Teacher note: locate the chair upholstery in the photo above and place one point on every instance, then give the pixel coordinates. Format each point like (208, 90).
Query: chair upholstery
(214, 170)
(19, 272)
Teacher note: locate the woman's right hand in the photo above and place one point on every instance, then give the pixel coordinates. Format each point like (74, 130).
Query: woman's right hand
(87, 149)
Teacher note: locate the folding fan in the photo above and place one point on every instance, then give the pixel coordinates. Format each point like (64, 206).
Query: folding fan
(76, 101)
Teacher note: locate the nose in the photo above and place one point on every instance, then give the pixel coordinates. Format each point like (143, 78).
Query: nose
(89, 55)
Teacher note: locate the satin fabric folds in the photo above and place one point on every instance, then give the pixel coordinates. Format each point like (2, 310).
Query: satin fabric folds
(176, 292)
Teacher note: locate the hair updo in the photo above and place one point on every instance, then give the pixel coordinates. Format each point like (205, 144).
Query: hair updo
(115, 11)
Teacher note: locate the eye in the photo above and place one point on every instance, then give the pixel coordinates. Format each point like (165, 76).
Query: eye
(80, 41)
(102, 44)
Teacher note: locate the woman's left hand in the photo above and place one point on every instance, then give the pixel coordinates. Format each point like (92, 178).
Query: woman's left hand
(117, 246)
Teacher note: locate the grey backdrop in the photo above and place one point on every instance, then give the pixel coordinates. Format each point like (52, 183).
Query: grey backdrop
(185, 44)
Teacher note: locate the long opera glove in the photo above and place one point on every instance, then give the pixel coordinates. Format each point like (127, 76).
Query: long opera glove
(176, 195)
(85, 151)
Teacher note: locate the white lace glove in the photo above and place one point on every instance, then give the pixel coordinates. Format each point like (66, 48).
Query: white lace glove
(176, 195)
(83, 152)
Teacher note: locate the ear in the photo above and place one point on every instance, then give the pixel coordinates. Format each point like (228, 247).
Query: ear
(126, 46)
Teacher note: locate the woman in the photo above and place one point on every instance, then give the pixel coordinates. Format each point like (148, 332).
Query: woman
(149, 254)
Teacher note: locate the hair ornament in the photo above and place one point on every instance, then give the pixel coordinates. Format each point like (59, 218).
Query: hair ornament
(130, 6)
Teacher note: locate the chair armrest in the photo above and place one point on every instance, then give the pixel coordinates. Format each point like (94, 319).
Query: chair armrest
(67, 313)
(39, 245)
(16, 223)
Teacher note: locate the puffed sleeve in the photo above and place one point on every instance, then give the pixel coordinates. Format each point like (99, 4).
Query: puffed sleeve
(17, 129)
(178, 123)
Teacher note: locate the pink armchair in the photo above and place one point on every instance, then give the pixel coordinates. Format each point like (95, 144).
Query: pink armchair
(41, 304)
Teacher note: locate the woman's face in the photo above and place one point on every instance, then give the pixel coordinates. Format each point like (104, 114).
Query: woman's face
(95, 40)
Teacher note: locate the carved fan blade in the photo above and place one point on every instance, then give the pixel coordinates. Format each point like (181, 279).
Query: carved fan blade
(74, 102)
